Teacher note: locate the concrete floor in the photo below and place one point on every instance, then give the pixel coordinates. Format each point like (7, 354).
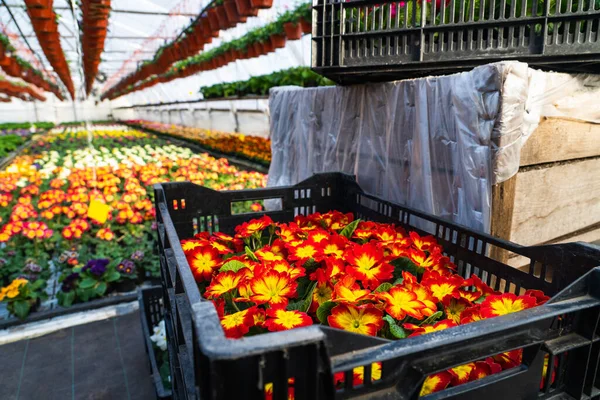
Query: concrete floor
(100, 360)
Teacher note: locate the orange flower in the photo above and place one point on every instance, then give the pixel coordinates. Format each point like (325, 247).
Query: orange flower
(507, 303)
(284, 266)
(454, 308)
(225, 282)
(303, 252)
(318, 235)
(237, 325)
(539, 296)
(203, 262)
(435, 383)
(510, 359)
(423, 329)
(461, 374)
(367, 264)
(266, 254)
(365, 319)
(282, 320)
(400, 302)
(322, 293)
(332, 247)
(422, 243)
(273, 288)
(484, 368)
(471, 315)
(189, 245)
(252, 227)
(443, 286)
(348, 291)
(421, 259)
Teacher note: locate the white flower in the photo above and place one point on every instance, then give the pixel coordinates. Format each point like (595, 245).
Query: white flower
(160, 336)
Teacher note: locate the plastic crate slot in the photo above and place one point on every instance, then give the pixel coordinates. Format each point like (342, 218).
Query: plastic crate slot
(175, 205)
(182, 202)
(195, 225)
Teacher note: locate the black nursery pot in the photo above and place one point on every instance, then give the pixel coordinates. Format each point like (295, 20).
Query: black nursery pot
(125, 286)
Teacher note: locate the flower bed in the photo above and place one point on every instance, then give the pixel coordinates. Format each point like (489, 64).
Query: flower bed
(77, 222)
(253, 148)
(364, 277)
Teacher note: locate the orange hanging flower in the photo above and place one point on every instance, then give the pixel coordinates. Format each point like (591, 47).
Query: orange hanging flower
(367, 264)
(203, 262)
(282, 320)
(365, 319)
(423, 329)
(400, 302)
(435, 383)
(238, 324)
(507, 303)
(274, 288)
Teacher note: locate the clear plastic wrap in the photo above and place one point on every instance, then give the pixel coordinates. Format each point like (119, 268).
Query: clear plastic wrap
(437, 144)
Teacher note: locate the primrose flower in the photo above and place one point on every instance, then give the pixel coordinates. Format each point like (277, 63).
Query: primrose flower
(366, 263)
(238, 324)
(435, 383)
(400, 302)
(96, 267)
(281, 320)
(203, 262)
(226, 282)
(365, 319)
(274, 288)
(507, 303)
(248, 229)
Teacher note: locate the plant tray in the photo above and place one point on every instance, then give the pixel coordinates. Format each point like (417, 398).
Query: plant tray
(207, 365)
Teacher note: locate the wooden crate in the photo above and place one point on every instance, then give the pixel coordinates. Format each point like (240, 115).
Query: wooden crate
(555, 196)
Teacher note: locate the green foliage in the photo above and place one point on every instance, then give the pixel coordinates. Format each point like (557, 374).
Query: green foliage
(9, 143)
(324, 311)
(349, 229)
(232, 265)
(396, 331)
(260, 85)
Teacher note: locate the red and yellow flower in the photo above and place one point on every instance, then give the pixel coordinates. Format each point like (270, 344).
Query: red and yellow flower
(365, 319)
(238, 324)
(435, 383)
(507, 303)
(280, 320)
(367, 264)
(423, 329)
(273, 288)
(400, 302)
(203, 262)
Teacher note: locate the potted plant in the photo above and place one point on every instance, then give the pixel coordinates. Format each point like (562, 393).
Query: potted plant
(261, 4)
(305, 14)
(246, 9)
(293, 30)
(22, 296)
(213, 20)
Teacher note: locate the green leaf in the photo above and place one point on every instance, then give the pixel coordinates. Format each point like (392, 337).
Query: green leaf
(21, 308)
(350, 228)
(308, 298)
(101, 288)
(113, 276)
(384, 287)
(324, 310)
(87, 283)
(66, 299)
(250, 254)
(398, 281)
(38, 284)
(232, 265)
(480, 300)
(432, 319)
(295, 305)
(405, 264)
(397, 331)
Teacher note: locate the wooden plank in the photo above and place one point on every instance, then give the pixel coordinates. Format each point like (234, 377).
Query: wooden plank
(587, 236)
(503, 198)
(559, 139)
(555, 200)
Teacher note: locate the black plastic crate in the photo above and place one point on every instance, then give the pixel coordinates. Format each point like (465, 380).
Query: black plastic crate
(360, 40)
(151, 313)
(213, 367)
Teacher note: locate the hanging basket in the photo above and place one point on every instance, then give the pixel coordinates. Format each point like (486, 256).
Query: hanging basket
(41, 13)
(278, 41)
(293, 30)
(306, 26)
(261, 4)
(245, 8)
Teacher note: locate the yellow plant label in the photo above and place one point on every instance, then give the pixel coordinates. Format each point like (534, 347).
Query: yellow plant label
(98, 211)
